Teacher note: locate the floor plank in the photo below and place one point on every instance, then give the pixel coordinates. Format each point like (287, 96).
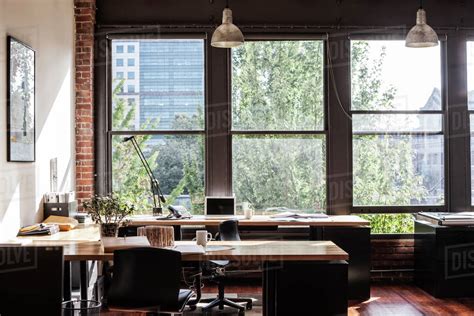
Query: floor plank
(386, 300)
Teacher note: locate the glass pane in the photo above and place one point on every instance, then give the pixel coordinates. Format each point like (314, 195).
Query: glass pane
(177, 162)
(397, 122)
(398, 170)
(390, 223)
(386, 75)
(169, 85)
(278, 85)
(277, 173)
(470, 74)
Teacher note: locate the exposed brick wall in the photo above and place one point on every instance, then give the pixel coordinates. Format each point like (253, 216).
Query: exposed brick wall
(394, 255)
(84, 12)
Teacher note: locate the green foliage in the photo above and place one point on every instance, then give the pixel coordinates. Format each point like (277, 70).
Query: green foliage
(390, 223)
(108, 209)
(177, 161)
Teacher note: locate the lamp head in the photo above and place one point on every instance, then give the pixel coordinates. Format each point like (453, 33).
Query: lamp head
(227, 35)
(421, 35)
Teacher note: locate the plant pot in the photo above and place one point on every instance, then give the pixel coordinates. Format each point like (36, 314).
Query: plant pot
(109, 230)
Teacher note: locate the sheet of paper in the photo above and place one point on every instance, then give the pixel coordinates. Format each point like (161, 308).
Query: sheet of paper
(189, 249)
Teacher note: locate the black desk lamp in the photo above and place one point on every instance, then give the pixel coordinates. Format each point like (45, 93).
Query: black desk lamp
(155, 185)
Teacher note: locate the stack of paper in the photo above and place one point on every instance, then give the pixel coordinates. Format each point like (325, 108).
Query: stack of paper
(299, 215)
(448, 219)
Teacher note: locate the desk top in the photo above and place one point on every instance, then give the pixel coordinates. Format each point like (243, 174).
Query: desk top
(82, 233)
(257, 220)
(83, 243)
(258, 250)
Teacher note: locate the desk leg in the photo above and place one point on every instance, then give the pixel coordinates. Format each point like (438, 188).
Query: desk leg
(84, 279)
(177, 232)
(67, 281)
(305, 288)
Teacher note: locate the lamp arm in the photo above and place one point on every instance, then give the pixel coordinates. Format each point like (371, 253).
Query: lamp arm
(155, 185)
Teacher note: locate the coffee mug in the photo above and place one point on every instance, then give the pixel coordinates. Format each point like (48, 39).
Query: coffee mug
(202, 237)
(248, 212)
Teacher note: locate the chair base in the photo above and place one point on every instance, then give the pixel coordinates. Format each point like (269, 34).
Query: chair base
(248, 302)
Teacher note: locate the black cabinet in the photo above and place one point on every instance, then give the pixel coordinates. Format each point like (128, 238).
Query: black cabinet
(305, 288)
(356, 242)
(444, 259)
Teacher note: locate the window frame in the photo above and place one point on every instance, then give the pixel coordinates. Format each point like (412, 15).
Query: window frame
(262, 37)
(470, 113)
(217, 133)
(392, 209)
(107, 181)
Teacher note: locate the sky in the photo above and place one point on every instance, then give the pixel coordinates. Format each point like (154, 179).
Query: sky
(414, 72)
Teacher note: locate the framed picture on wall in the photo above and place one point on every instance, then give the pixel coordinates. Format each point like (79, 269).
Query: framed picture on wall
(20, 101)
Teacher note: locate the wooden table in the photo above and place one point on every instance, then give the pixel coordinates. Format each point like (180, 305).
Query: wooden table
(299, 277)
(350, 232)
(74, 240)
(246, 250)
(257, 220)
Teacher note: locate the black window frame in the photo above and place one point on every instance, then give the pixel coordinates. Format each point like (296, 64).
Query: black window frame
(261, 37)
(218, 134)
(356, 209)
(107, 182)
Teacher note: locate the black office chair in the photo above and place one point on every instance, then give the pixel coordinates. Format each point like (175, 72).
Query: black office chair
(147, 280)
(228, 231)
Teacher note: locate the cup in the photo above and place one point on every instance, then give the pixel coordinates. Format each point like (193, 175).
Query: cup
(248, 212)
(203, 237)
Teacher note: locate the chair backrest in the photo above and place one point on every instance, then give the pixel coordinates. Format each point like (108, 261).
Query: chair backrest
(229, 230)
(145, 277)
(31, 280)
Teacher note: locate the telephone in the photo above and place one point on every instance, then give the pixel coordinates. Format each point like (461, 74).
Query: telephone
(179, 211)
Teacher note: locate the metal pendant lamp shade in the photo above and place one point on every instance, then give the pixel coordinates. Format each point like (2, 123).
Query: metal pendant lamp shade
(227, 35)
(421, 35)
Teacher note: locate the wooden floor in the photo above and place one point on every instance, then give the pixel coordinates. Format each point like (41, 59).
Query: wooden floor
(408, 300)
(386, 300)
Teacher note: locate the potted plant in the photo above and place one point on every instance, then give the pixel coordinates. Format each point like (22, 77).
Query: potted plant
(108, 211)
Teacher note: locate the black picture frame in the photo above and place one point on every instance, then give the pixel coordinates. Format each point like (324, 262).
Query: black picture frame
(21, 101)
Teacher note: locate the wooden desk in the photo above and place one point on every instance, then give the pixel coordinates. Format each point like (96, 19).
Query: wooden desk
(83, 234)
(350, 232)
(262, 251)
(299, 277)
(258, 220)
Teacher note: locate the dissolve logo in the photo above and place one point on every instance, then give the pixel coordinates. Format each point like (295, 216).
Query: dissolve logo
(17, 259)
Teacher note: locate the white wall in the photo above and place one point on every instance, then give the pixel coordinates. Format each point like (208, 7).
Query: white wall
(48, 27)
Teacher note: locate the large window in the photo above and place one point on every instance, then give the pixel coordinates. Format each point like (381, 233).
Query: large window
(166, 115)
(278, 125)
(397, 122)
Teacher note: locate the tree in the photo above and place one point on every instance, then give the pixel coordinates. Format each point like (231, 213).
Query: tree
(279, 85)
(176, 161)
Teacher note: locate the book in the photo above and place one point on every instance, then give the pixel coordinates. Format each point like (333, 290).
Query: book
(39, 229)
(293, 215)
(447, 219)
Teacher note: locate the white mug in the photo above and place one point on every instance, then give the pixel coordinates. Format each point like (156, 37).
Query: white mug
(202, 237)
(248, 212)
